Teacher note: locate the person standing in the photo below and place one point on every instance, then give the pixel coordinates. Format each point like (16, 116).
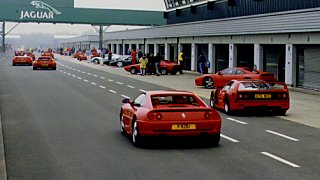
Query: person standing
(143, 64)
(181, 61)
(140, 54)
(134, 56)
(151, 64)
(157, 61)
(202, 63)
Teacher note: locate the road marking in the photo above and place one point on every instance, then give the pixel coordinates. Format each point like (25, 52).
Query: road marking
(142, 90)
(280, 159)
(93, 83)
(85, 80)
(125, 96)
(229, 138)
(102, 87)
(74, 69)
(95, 75)
(64, 72)
(60, 70)
(114, 92)
(119, 83)
(130, 86)
(79, 78)
(102, 78)
(110, 80)
(89, 73)
(78, 70)
(74, 75)
(83, 72)
(282, 135)
(69, 74)
(237, 121)
(70, 68)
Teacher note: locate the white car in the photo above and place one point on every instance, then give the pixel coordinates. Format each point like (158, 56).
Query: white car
(97, 60)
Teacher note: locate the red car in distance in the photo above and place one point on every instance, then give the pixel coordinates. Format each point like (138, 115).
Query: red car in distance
(45, 62)
(48, 53)
(251, 94)
(22, 60)
(166, 67)
(169, 113)
(82, 57)
(222, 77)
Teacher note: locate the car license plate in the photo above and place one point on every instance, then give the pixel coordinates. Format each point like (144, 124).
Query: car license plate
(262, 96)
(22, 61)
(44, 65)
(183, 126)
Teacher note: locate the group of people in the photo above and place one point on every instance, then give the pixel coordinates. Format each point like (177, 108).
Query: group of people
(150, 64)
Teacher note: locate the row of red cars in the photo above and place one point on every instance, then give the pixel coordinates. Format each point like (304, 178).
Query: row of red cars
(45, 61)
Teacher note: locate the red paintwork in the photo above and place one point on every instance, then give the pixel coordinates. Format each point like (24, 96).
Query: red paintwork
(82, 57)
(48, 53)
(240, 99)
(221, 80)
(171, 114)
(170, 66)
(45, 62)
(22, 60)
(77, 54)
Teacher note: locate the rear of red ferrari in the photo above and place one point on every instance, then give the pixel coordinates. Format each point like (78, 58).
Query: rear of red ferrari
(45, 64)
(22, 60)
(193, 121)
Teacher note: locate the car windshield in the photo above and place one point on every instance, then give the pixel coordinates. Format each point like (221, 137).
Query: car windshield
(254, 86)
(174, 100)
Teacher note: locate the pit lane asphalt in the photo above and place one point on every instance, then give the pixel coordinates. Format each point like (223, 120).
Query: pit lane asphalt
(58, 126)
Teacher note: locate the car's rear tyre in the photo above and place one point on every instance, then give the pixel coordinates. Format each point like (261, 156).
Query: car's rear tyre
(122, 131)
(174, 71)
(208, 82)
(214, 139)
(34, 68)
(163, 71)
(227, 106)
(55, 68)
(136, 138)
(212, 100)
(13, 64)
(133, 70)
(281, 112)
(120, 64)
(95, 61)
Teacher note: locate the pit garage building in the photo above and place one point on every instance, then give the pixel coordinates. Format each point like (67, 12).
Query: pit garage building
(282, 37)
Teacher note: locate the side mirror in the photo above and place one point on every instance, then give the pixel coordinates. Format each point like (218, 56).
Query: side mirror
(126, 100)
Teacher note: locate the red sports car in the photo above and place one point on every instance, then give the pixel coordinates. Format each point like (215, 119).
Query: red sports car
(221, 78)
(166, 67)
(170, 113)
(48, 53)
(82, 57)
(22, 60)
(45, 62)
(251, 94)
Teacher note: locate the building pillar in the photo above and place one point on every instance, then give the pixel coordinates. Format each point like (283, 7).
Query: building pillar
(119, 49)
(156, 49)
(232, 55)
(212, 58)
(130, 47)
(258, 57)
(193, 57)
(112, 48)
(166, 51)
(146, 49)
(291, 61)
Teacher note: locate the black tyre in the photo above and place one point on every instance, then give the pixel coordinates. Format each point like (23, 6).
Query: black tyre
(34, 68)
(212, 100)
(133, 70)
(55, 68)
(281, 112)
(208, 82)
(122, 131)
(227, 106)
(120, 64)
(163, 71)
(214, 139)
(174, 71)
(95, 61)
(136, 138)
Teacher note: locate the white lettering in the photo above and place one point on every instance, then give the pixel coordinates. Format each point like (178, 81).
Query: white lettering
(33, 14)
(21, 16)
(51, 15)
(45, 16)
(36, 15)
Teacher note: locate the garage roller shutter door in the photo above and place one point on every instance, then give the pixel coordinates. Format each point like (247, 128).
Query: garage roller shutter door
(312, 68)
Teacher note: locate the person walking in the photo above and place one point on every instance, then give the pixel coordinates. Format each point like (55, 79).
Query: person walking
(181, 61)
(134, 56)
(143, 64)
(157, 61)
(202, 63)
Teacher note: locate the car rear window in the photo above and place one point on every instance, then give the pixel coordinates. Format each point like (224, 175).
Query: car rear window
(174, 100)
(254, 86)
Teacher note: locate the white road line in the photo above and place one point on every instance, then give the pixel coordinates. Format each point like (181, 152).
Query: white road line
(60, 70)
(237, 121)
(282, 135)
(229, 138)
(125, 96)
(64, 72)
(89, 73)
(85, 80)
(95, 75)
(142, 90)
(83, 72)
(130, 86)
(69, 74)
(78, 70)
(102, 87)
(119, 83)
(70, 68)
(79, 78)
(93, 83)
(110, 80)
(74, 76)
(280, 159)
(114, 92)
(102, 78)
(74, 69)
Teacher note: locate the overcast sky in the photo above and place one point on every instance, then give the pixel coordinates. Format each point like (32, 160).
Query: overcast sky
(154, 5)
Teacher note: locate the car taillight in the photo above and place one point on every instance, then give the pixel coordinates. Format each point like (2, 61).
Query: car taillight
(282, 96)
(154, 116)
(159, 116)
(242, 96)
(207, 115)
(150, 116)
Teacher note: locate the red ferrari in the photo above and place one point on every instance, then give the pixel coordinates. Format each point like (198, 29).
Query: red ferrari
(22, 60)
(221, 78)
(44, 62)
(166, 67)
(48, 53)
(251, 94)
(82, 57)
(169, 113)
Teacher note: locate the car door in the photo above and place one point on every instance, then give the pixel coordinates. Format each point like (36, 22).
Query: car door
(227, 75)
(136, 105)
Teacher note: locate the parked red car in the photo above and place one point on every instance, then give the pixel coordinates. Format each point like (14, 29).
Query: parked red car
(45, 62)
(222, 77)
(22, 60)
(166, 67)
(170, 113)
(48, 53)
(82, 57)
(77, 54)
(251, 94)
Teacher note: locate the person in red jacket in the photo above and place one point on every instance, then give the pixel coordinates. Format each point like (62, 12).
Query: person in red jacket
(134, 56)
